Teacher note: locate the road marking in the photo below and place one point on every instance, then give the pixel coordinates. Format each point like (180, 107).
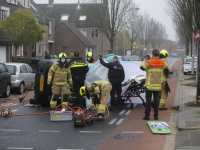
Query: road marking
(14, 110)
(69, 149)
(112, 121)
(90, 131)
(9, 130)
(18, 148)
(121, 113)
(173, 62)
(120, 120)
(128, 112)
(48, 131)
(132, 132)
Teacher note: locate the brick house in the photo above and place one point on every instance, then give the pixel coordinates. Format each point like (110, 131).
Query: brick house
(76, 14)
(69, 39)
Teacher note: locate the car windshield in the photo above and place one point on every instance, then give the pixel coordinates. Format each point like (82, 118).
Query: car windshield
(190, 60)
(11, 69)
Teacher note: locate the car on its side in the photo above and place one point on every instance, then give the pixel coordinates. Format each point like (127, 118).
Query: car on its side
(22, 75)
(5, 86)
(187, 67)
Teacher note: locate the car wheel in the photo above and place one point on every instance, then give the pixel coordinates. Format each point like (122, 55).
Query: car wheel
(7, 93)
(21, 88)
(185, 73)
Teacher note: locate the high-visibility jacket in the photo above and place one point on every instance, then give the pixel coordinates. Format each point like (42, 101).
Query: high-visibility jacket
(62, 76)
(96, 87)
(154, 77)
(167, 67)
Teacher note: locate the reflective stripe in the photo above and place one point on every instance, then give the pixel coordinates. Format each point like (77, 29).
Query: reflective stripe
(52, 68)
(154, 88)
(60, 83)
(66, 103)
(97, 105)
(69, 79)
(155, 70)
(96, 88)
(53, 103)
(49, 77)
(78, 65)
(102, 106)
(163, 101)
(92, 104)
(60, 72)
(144, 66)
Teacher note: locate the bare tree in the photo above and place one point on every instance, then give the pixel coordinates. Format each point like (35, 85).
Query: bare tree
(109, 16)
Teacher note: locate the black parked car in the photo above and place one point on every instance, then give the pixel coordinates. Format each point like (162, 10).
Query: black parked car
(5, 77)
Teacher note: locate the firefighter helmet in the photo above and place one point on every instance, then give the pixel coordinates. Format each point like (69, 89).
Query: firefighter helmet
(62, 55)
(165, 53)
(89, 54)
(82, 90)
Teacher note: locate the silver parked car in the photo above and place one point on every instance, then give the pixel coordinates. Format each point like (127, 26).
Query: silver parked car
(21, 75)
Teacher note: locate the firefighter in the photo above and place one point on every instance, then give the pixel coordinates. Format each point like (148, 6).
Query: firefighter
(78, 70)
(154, 69)
(90, 59)
(164, 88)
(62, 80)
(116, 77)
(97, 90)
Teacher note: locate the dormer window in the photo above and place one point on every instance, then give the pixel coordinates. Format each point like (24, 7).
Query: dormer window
(12, 1)
(82, 18)
(5, 12)
(64, 17)
(27, 3)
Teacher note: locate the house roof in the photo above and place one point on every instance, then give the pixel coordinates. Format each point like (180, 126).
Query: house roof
(78, 34)
(3, 37)
(59, 9)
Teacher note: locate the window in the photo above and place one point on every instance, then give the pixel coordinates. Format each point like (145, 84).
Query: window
(4, 12)
(30, 70)
(65, 50)
(50, 27)
(12, 1)
(82, 18)
(18, 51)
(11, 69)
(2, 69)
(26, 3)
(23, 69)
(84, 32)
(64, 17)
(94, 33)
(40, 50)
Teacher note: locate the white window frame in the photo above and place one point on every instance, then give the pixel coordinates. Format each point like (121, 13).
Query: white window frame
(28, 3)
(6, 9)
(84, 32)
(82, 18)
(18, 51)
(64, 15)
(94, 33)
(12, 1)
(50, 27)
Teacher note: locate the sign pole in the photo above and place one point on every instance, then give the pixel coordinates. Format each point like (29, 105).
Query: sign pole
(197, 67)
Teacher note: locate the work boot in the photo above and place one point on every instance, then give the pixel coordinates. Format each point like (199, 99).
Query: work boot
(145, 118)
(111, 108)
(156, 118)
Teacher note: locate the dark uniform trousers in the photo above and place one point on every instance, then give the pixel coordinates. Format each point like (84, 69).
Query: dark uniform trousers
(78, 82)
(116, 87)
(148, 102)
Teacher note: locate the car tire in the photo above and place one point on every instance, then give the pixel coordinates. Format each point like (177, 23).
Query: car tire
(21, 88)
(7, 93)
(185, 73)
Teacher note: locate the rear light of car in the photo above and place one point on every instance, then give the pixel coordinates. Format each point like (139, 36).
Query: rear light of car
(187, 63)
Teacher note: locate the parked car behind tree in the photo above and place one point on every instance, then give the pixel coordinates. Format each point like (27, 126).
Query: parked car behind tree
(5, 77)
(22, 75)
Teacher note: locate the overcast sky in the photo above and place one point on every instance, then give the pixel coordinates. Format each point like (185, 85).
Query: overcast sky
(155, 8)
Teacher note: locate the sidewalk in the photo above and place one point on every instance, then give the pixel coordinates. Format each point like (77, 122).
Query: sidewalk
(187, 119)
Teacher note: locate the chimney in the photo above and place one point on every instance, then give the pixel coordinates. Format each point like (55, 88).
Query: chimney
(51, 2)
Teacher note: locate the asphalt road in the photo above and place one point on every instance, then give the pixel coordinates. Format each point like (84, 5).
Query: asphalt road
(39, 133)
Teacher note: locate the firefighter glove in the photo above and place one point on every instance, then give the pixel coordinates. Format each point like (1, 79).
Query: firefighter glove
(98, 95)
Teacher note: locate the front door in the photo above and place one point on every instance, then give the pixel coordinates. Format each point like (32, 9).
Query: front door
(3, 53)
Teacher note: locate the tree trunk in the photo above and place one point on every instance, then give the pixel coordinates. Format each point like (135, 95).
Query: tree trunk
(187, 48)
(198, 80)
(112, 44)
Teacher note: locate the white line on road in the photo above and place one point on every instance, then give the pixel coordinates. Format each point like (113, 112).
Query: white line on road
(48, 131)
(173, 63)
(121, 113)
(120, 120)
(9, 130)
(14, 110)
(18, 148)
(113, 121)
(132, 132)
(90, 131)
(128, 112)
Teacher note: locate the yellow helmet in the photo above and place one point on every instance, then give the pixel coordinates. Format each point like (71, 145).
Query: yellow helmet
(82, 90)
(89, 54)
(62, 55)
(165, 53)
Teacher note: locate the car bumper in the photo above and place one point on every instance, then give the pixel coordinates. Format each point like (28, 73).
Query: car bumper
(15, 84)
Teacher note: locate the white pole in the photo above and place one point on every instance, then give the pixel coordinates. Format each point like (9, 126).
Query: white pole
(197, 61)
(124, 41)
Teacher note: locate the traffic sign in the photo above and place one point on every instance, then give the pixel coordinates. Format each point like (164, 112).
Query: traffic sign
(196, 36)
(142, 45)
